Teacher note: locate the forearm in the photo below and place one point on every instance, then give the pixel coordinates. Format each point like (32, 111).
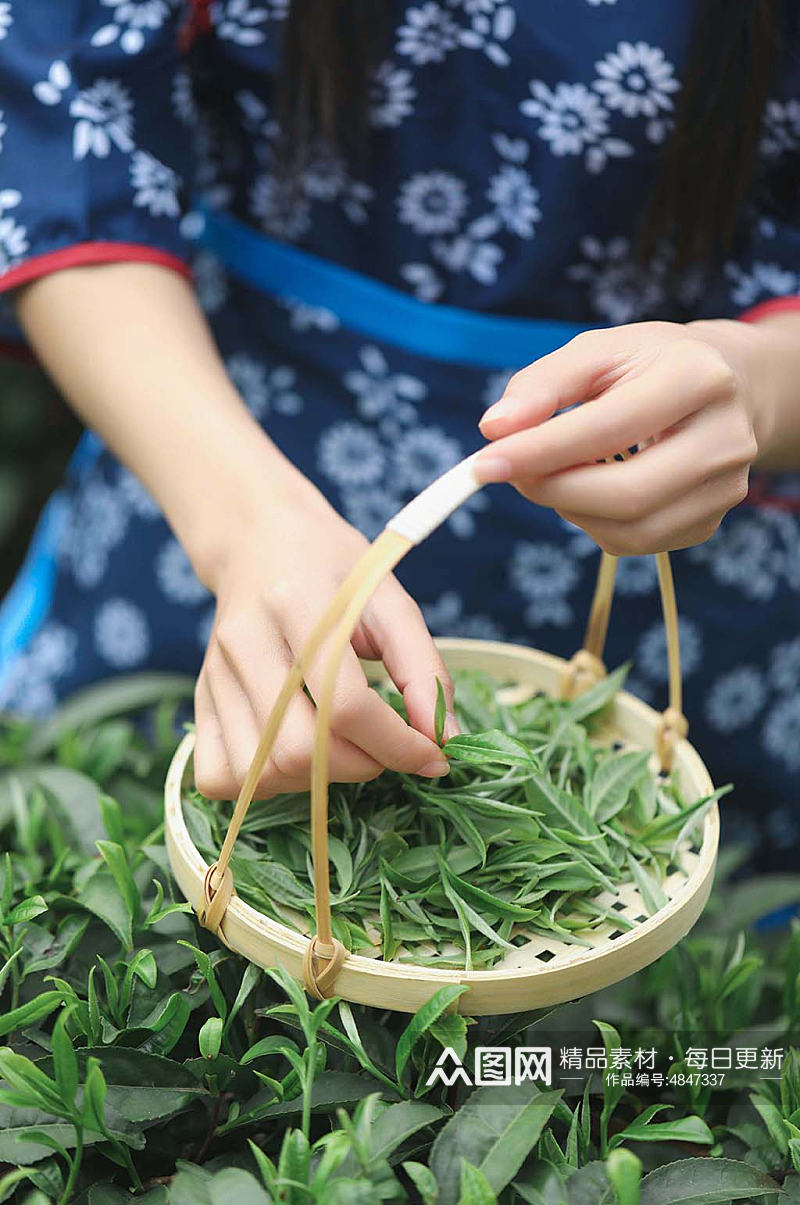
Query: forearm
(769, 351)
(129, 347)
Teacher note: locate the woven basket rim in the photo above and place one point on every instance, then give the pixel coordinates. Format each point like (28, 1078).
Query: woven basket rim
(296, 943)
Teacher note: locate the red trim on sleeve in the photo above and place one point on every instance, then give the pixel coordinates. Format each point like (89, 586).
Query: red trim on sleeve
(775, 305)
(82, 254)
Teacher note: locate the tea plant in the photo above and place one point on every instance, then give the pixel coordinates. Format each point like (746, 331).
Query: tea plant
(145, 1061)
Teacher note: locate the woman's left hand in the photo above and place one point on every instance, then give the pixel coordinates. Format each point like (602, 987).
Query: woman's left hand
(687, 393)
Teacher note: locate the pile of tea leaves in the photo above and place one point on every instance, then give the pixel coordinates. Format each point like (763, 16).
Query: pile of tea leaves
(533, 831)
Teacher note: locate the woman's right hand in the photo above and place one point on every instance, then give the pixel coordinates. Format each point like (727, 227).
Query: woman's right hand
(272, 586)
(129, 346)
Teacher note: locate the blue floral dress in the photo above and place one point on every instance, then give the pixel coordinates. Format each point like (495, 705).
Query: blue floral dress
(513, 147)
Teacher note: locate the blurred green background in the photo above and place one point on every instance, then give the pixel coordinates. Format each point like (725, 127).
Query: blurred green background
(37, 435)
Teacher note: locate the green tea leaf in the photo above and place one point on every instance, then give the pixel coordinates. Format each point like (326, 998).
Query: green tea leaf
(492, 748)
(65, 1062)
(439, 714)
(27, 910)
(210, 1038)
(475, 1188)
(495, 1129)
(431, 1010)
(705, 1182)
(613, 782)
(31, 1013)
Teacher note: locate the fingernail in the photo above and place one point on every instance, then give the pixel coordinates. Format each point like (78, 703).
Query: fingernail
(493, 468)
(451, 727)
(500, 410)
(435, 769)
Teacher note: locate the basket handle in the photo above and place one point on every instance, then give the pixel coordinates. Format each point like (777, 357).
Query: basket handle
(408, 528)
(587, 667)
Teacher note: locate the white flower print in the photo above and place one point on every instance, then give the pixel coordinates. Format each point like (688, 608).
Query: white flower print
(121, 635)
(637, 80)
(472, 251)
(573, 120)
(155, 186)
(391, 96)
(735, 699)
(428, 34)
(784, 666)
(488, 29)
(432, 202)
(325, 175)
(515, 200)
(210, 282)
(381, 393)
(264, 390)
(496, 384)
(325, 179)
(598, 2)
(636, 575)
(6, 18)
(781, 732)
(356, 197)
(421, 455)
(279, 207)
(370, 509)
(783, 826)
(475, 7)
(462, 521)
(29, 686)
(59, 79)
(104, 117)
(258, 120)
(13, 235)
(130, 20)
(763, 280)
(3, 128)
(52, 650)
(781, 130)
(745, 554)
(176, 577)
(544, 574)
(619, 289)
(304, 317)
(183, 100)
(515, 150)
(135, 496)
(97, 526)
(651, 652)
(424, 280)
(351, 455)
(239, 21)
(445, 617)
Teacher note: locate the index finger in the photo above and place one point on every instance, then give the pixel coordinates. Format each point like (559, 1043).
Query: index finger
(362, 717)
(625, 415)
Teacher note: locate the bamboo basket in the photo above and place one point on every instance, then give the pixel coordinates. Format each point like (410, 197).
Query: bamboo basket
(542, 972)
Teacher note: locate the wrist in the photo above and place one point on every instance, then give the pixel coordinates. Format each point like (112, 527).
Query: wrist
(249, 493)
(764, 360)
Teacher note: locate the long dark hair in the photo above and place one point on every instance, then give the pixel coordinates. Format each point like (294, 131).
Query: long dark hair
(708, 162)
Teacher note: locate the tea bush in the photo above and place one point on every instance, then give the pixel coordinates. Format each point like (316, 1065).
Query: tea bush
(145, 1061)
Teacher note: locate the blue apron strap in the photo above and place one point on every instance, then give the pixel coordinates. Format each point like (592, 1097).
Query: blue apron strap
(26, 605)
(377, 310)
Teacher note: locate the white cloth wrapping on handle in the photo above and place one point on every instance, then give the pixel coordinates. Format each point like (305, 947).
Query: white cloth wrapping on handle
(423, 514)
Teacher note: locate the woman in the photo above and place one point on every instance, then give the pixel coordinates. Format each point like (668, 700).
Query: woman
(398, 205)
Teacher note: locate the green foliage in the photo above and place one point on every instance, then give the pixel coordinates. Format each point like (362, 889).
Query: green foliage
(144, 1061)
(533, 822)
